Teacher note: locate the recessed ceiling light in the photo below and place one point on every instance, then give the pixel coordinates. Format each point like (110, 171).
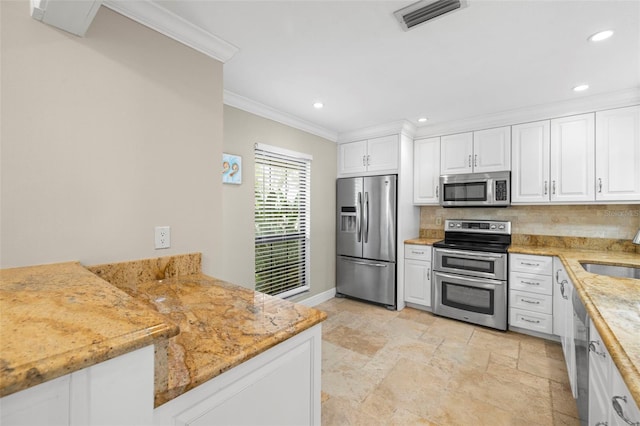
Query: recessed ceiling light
(581, 88)
(602, 35)
(422, 119)
(318, 105)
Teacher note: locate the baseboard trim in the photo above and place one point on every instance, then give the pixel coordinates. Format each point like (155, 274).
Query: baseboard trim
(318, 298)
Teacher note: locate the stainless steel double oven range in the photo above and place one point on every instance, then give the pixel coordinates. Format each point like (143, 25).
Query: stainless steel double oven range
(470, 272)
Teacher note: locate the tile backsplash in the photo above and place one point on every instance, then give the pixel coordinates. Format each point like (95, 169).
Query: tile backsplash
(620, 221)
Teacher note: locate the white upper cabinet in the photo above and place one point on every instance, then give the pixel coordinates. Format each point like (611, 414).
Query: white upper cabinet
(426, 171)
(456, 153)
(573, 158)
(382, 154)
(352, 157)
(530, 162)
(618, 154)
(476, 152)
(373, 155)
(492, 150)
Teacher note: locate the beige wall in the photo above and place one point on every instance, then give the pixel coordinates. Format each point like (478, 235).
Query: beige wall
(242, 130)
(103, 138)
(596, 221)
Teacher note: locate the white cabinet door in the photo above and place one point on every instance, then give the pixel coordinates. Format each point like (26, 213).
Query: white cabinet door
(426, 171)
(618, 154)
(456, 153)
(382, 154)
(41, 405)
(352, 157)
(492, 150)
(531, 145)
(560, 298)
(417, 282)
(573, 158)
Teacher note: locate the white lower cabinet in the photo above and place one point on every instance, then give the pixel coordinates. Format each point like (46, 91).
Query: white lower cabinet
(417, 275)
(278, 387)
(531, 293)
(610, 402)
(115, 392)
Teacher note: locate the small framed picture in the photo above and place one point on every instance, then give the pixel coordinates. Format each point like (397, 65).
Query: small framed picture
(231, 169)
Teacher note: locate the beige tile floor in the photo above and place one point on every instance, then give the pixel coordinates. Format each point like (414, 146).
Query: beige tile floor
(410, 367)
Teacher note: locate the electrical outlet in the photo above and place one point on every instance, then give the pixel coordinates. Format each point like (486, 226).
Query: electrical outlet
(163, 237)
(438, 220)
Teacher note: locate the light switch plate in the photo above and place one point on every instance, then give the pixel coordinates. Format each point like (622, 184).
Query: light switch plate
(163, 237)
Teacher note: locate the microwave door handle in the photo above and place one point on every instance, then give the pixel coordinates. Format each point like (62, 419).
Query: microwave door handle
(358, 219)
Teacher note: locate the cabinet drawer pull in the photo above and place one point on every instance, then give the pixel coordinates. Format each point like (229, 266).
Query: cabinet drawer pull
(437, 190)
(469, 160)
(553, 187)
(594, 349)
(428, 274)
(530, 264)
(530, 282)
(531, 321)
(417, 252)
(531, 302)
(617, 407)
(546, 187)
(475, 161)
(602, 424)
(600, 185)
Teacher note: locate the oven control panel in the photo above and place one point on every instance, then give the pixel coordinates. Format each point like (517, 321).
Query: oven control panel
(478, 226)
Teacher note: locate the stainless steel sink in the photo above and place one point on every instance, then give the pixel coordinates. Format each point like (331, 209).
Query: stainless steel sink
(612, 270)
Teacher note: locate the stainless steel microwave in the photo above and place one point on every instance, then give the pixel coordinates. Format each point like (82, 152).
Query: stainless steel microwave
(476, 190)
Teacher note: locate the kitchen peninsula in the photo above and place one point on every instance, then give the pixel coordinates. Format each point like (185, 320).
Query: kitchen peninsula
(215, 343)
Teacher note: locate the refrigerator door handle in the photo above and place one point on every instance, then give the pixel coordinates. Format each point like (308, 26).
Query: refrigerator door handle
(366, 217)
(358, 220)
(357, 262)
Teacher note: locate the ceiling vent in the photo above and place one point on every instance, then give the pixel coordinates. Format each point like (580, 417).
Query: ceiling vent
(424, 10)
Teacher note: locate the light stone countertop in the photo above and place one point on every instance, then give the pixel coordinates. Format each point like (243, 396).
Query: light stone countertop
(422, 241)
(56, 319)
(221, 326)
(59, 318)
(612, 303)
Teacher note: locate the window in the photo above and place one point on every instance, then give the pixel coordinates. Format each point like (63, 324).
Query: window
(282, 207)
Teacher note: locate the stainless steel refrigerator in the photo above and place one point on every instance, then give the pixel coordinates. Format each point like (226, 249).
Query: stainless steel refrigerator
(366, 238)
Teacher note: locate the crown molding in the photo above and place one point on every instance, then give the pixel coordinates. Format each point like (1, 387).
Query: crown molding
(582, 105)
(400, 127)
(158, 18)
(265, 111)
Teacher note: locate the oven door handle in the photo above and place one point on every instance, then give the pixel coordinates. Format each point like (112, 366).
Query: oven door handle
(473, 281)
(472, 254)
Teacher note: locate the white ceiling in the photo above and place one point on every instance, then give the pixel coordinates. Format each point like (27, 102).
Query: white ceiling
(489, 57)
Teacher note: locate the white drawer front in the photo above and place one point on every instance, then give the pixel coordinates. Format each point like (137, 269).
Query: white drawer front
(417, 252)
(531, 264)
(541, 284)
(542, 303)
(535, 321)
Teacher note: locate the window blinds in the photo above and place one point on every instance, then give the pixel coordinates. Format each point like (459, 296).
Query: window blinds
(282, 207)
